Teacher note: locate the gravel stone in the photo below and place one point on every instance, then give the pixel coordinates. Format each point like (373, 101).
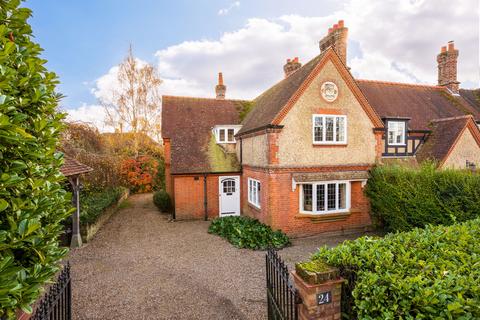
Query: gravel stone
(141, 266)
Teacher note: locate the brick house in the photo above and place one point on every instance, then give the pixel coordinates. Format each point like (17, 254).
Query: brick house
(299, 159)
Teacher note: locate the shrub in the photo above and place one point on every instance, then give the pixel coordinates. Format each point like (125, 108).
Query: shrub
(140, 173)
(245, 232)
(32, 201)
(405, 198)
(93, 203)
(430, 273)
(162, 200)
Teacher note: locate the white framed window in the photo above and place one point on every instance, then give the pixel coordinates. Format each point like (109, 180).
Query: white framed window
(226, 134)
(396, 133)
(329, 129)
(325, 197)
(254, 192)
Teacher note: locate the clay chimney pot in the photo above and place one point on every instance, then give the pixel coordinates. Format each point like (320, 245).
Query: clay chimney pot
(341, 23)
(444, 49)
(335, 26)
(451, 46)
(330, 30)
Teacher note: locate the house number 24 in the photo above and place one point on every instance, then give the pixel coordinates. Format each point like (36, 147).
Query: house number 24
(324, 297)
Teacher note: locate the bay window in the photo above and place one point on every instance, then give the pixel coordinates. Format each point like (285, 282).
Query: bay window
(325, 197)
(329, 129)
(254, 192)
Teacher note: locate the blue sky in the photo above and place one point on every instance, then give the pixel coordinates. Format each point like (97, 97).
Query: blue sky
(190, 41)
(83, 39)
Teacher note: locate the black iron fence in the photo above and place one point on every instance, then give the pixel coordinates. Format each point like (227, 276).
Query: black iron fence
(282, 297)
(57, 302)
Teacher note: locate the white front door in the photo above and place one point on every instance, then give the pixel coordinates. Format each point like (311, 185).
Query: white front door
(229, 195)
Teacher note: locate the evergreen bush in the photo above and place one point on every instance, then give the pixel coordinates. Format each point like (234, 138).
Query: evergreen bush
(404, 198)
(162, 200)
(32, 201)
(245, 232)
(430, 273)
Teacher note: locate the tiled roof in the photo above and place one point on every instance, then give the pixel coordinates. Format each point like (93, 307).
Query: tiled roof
(443, 136)
(72, 167)
(420, 103)
(270, 103)
(472, 96)
(188, 122)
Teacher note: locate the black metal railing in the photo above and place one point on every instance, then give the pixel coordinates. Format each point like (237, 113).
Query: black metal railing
(57, 302)
(282, 297)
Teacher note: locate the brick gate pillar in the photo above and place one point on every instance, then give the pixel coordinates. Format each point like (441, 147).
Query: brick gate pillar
(321, 293)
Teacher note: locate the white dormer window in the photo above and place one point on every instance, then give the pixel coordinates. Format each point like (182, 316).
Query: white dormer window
(226, 134)
(396, 133)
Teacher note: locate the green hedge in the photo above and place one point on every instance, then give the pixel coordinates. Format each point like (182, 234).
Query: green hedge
(33, 203)
(404, 198)
(431, 273)
(162, 200)
(93, 203)
(245, 232)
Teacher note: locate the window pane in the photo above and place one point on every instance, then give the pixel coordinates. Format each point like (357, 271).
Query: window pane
(329, 128)
(331, 201)
(222, 135)
(250, 191)
(258, 194)
(340, 132)
(342, 196)
(230, 135)
(318, 129)
(307, 197)
(321, 197)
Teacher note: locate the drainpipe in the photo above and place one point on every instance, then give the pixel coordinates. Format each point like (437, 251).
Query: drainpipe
(241, 152)
(205, 202)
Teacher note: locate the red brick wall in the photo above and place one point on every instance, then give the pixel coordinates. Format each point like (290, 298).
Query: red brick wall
(189, 196)
(282, 210)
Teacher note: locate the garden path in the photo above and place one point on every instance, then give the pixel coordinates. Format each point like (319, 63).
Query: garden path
(141, 266)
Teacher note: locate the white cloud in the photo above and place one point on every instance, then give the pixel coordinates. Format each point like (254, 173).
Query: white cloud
(388, 40)
(225, 11)
(91, 114)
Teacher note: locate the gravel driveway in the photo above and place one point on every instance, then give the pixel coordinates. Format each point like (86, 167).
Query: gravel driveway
(141, 266)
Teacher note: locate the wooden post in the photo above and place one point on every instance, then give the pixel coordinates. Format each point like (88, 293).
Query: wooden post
(76, 241)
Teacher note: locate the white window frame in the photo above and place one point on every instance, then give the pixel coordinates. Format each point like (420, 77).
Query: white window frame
(390, 129)
(314, 197)
(334, 142)
(254, 192)
(217, 129)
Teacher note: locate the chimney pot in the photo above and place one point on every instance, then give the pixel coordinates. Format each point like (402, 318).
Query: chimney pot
(341, 23)
(444, 49)
(451, 46)
(330, 30)
(337, 39)
(335, 26)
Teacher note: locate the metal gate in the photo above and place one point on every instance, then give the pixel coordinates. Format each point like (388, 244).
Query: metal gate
(282, 297)
(57, 303)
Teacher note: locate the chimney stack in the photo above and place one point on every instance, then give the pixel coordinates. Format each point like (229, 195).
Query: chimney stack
(447, 67)
(220, 88)
(337, 39)
(291, 66)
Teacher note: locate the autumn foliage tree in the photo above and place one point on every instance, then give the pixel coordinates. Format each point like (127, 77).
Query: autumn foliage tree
(134, 103)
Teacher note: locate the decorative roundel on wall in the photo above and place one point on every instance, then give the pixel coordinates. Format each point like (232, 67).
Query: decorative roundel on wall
(329, 91)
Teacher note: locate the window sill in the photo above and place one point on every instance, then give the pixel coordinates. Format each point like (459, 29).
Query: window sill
(254, 207)
(338, 145)
(325, 217)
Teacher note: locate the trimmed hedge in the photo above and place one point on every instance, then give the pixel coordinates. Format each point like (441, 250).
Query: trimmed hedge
(162, 200)
(33, 203)
(95, 202)
(431, 273)
(404, 198)
(245, 232)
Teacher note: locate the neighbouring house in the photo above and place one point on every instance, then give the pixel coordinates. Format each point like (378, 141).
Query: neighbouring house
(297, 157)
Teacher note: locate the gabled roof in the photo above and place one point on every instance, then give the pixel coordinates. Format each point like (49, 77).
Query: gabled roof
(444, 135)
(271, 106)
(188, 122)
(420, 103)
(72, 167)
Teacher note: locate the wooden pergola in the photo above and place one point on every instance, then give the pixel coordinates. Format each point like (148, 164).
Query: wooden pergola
(72, 169)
